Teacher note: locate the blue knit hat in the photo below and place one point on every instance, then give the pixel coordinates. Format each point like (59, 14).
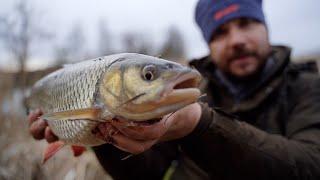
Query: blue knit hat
(210, 14)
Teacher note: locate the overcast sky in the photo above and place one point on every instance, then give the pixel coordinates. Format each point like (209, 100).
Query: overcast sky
(291, 22)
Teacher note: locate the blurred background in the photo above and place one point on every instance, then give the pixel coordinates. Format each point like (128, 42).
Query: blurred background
(37, 37)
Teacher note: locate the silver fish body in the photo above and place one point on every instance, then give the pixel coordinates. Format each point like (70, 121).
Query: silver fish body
(73, 98)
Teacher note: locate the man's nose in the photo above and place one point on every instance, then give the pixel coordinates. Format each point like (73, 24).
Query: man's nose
(237, 38)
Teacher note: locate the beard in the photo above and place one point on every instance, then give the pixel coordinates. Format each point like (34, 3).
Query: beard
(255, 75)
(241, 52)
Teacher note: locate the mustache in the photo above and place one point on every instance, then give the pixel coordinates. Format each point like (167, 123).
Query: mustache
(239, 53)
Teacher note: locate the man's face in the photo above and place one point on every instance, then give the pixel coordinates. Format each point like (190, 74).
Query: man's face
(240, 47)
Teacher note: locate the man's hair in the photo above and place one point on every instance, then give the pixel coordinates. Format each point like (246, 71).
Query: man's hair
(210, 14)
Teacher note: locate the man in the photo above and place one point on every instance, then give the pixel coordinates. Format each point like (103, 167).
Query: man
(261, 119)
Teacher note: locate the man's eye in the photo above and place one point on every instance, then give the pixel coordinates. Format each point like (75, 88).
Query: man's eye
(244, 23)
(220, 32)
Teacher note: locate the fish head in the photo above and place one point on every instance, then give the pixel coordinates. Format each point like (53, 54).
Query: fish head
(140, 87)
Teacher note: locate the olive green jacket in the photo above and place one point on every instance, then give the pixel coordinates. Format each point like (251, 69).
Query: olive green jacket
(273, 133)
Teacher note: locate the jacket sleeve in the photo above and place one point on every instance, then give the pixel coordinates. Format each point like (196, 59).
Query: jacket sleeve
(228, 149)
(151, 164)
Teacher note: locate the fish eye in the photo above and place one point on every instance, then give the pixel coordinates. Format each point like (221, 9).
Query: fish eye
(149, 72)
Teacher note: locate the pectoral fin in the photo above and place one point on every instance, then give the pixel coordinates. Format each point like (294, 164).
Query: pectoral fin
(89, 113)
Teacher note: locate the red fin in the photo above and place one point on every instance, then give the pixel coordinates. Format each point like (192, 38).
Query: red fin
(51, 150)
(77, 150)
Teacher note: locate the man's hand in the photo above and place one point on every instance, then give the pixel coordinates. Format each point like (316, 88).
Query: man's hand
(133, 139)
(137, 139)
(39, 129)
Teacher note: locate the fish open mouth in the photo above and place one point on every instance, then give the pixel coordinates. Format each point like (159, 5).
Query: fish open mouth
(183, 88)
(186, 82)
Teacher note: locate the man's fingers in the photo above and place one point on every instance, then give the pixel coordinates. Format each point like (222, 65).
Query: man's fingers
(37, 129)
(105, 131)
(130, 145)
(49, 136)
(147, 132)
(144, 133)
(33, 116)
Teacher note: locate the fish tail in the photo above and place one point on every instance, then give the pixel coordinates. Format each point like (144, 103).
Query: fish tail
(51, 150)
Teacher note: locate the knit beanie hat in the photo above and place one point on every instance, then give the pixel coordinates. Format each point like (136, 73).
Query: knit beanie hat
(210, 14)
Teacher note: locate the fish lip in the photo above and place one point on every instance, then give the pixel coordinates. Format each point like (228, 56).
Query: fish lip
(192, 76)
(182, 89)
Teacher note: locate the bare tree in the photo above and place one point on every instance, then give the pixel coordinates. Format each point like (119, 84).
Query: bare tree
(61, 55)
(105, 46)
(147, 46)
(130, 42)
(18, 30)
(73, 48)
(135, 42)
(174, 47)
(75, 43)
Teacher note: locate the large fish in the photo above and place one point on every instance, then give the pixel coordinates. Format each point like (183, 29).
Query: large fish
(136, 87)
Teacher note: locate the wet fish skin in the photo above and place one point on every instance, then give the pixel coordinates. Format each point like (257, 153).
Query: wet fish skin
(76, 98)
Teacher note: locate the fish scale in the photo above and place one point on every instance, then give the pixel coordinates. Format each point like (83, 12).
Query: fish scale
(72, 87)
